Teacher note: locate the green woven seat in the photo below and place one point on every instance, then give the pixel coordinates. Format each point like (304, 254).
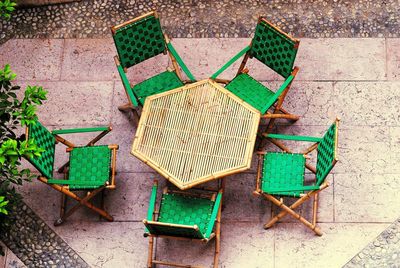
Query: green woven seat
(184, 215)
(283, 171)
(138, 40)
(251, 91)
(276, 50)
(90, 168)
(157, 84)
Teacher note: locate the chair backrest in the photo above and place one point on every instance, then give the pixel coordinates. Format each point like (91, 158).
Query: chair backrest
(139, 39)
(274, 48)
(175, 230)
(326, 153)
(45, 140)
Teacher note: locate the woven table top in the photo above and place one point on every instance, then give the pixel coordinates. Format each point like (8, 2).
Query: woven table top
(196, 133)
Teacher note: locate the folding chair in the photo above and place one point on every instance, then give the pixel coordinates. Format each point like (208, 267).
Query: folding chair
(136, 41)
(90, 168)
(275, 49)
(183, 215)
(282, 174)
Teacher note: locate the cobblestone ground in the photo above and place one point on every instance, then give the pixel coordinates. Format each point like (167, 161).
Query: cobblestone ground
(205, 18)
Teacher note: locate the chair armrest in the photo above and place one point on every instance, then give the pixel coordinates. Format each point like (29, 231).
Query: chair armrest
(214, 214)
(180, 62)
(152, 204)
(293, 137)
(80, 130)
(230, 62)
(125, 82)
(277, 94)
(297, 188)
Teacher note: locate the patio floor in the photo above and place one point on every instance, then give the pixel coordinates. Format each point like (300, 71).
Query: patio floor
(354, 78)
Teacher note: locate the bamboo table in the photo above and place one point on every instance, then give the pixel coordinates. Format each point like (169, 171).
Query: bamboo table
(196, 133)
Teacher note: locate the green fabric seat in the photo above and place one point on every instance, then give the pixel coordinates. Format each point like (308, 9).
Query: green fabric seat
(90, 165)
(157, 84)
(283, 171)
(251, 91)
(186, 210)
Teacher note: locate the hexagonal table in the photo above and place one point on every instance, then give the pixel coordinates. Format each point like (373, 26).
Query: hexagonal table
(196, 133)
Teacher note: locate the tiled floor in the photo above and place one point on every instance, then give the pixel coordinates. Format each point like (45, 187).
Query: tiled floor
(356, 79)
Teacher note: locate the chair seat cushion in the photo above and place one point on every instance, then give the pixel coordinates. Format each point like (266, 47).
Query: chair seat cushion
(89, 164)
(283, 171)
(250, 90)
(157, 84)
(186, 210)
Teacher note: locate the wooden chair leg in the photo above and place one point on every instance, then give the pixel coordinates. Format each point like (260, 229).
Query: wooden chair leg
(297, 216)
(150, 256)
(63, 205)
(125, 107)
(315, 209)
(217, 238)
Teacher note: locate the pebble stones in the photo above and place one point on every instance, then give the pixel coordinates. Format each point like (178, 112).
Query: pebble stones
(384, 251)
(36, 244)
(203, 18)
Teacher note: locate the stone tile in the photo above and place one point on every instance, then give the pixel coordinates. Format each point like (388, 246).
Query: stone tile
(246, 245)
(89, 60)
(3, 258)
(12, 261)
(105, 244)
(312, 101)
(393, 58)
(118, 117)
(33, 59)
(297, 246)
(239, 202)
(362, 151)
(366, 197)
(76, 103)
(367, 103)
(130, 201)
(342, 59)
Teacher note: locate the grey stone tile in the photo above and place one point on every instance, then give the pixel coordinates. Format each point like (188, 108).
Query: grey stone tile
(297, 246)
(366, 197)
(105, 244)
(393, 58)
(342, 59)
(367, 103)
(89, 60)
(76, 103)
(33, 59)
(9, 260)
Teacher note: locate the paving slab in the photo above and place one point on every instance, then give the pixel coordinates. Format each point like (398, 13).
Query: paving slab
(296, 246)
(33, 59)
(367, 103)
(393, 58)
(9, 260)
(89, 60)
(366, 197)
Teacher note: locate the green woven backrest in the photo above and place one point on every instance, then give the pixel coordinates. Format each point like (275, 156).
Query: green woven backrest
(274, 49)
(45, 140)
(139, 41)
(326, 154)
(175, 231)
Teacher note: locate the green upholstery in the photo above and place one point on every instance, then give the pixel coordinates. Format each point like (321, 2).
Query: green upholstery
(251, 91)
(89, 165)
(283, 172)
(139, 41)
(160, 83)
(45, 140)
(79, 130)
(274, 49)
(326, 154)
(184, 212)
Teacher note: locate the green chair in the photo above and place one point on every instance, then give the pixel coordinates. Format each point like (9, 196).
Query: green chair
(91, 168)
(183, 215)
(278, 51)
(282, 174)
(136, 41)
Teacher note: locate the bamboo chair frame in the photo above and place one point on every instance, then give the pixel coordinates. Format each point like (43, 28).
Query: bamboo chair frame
(278, 110)
(133, 103)
(216, 235)
(64, 189)
(312, 191)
